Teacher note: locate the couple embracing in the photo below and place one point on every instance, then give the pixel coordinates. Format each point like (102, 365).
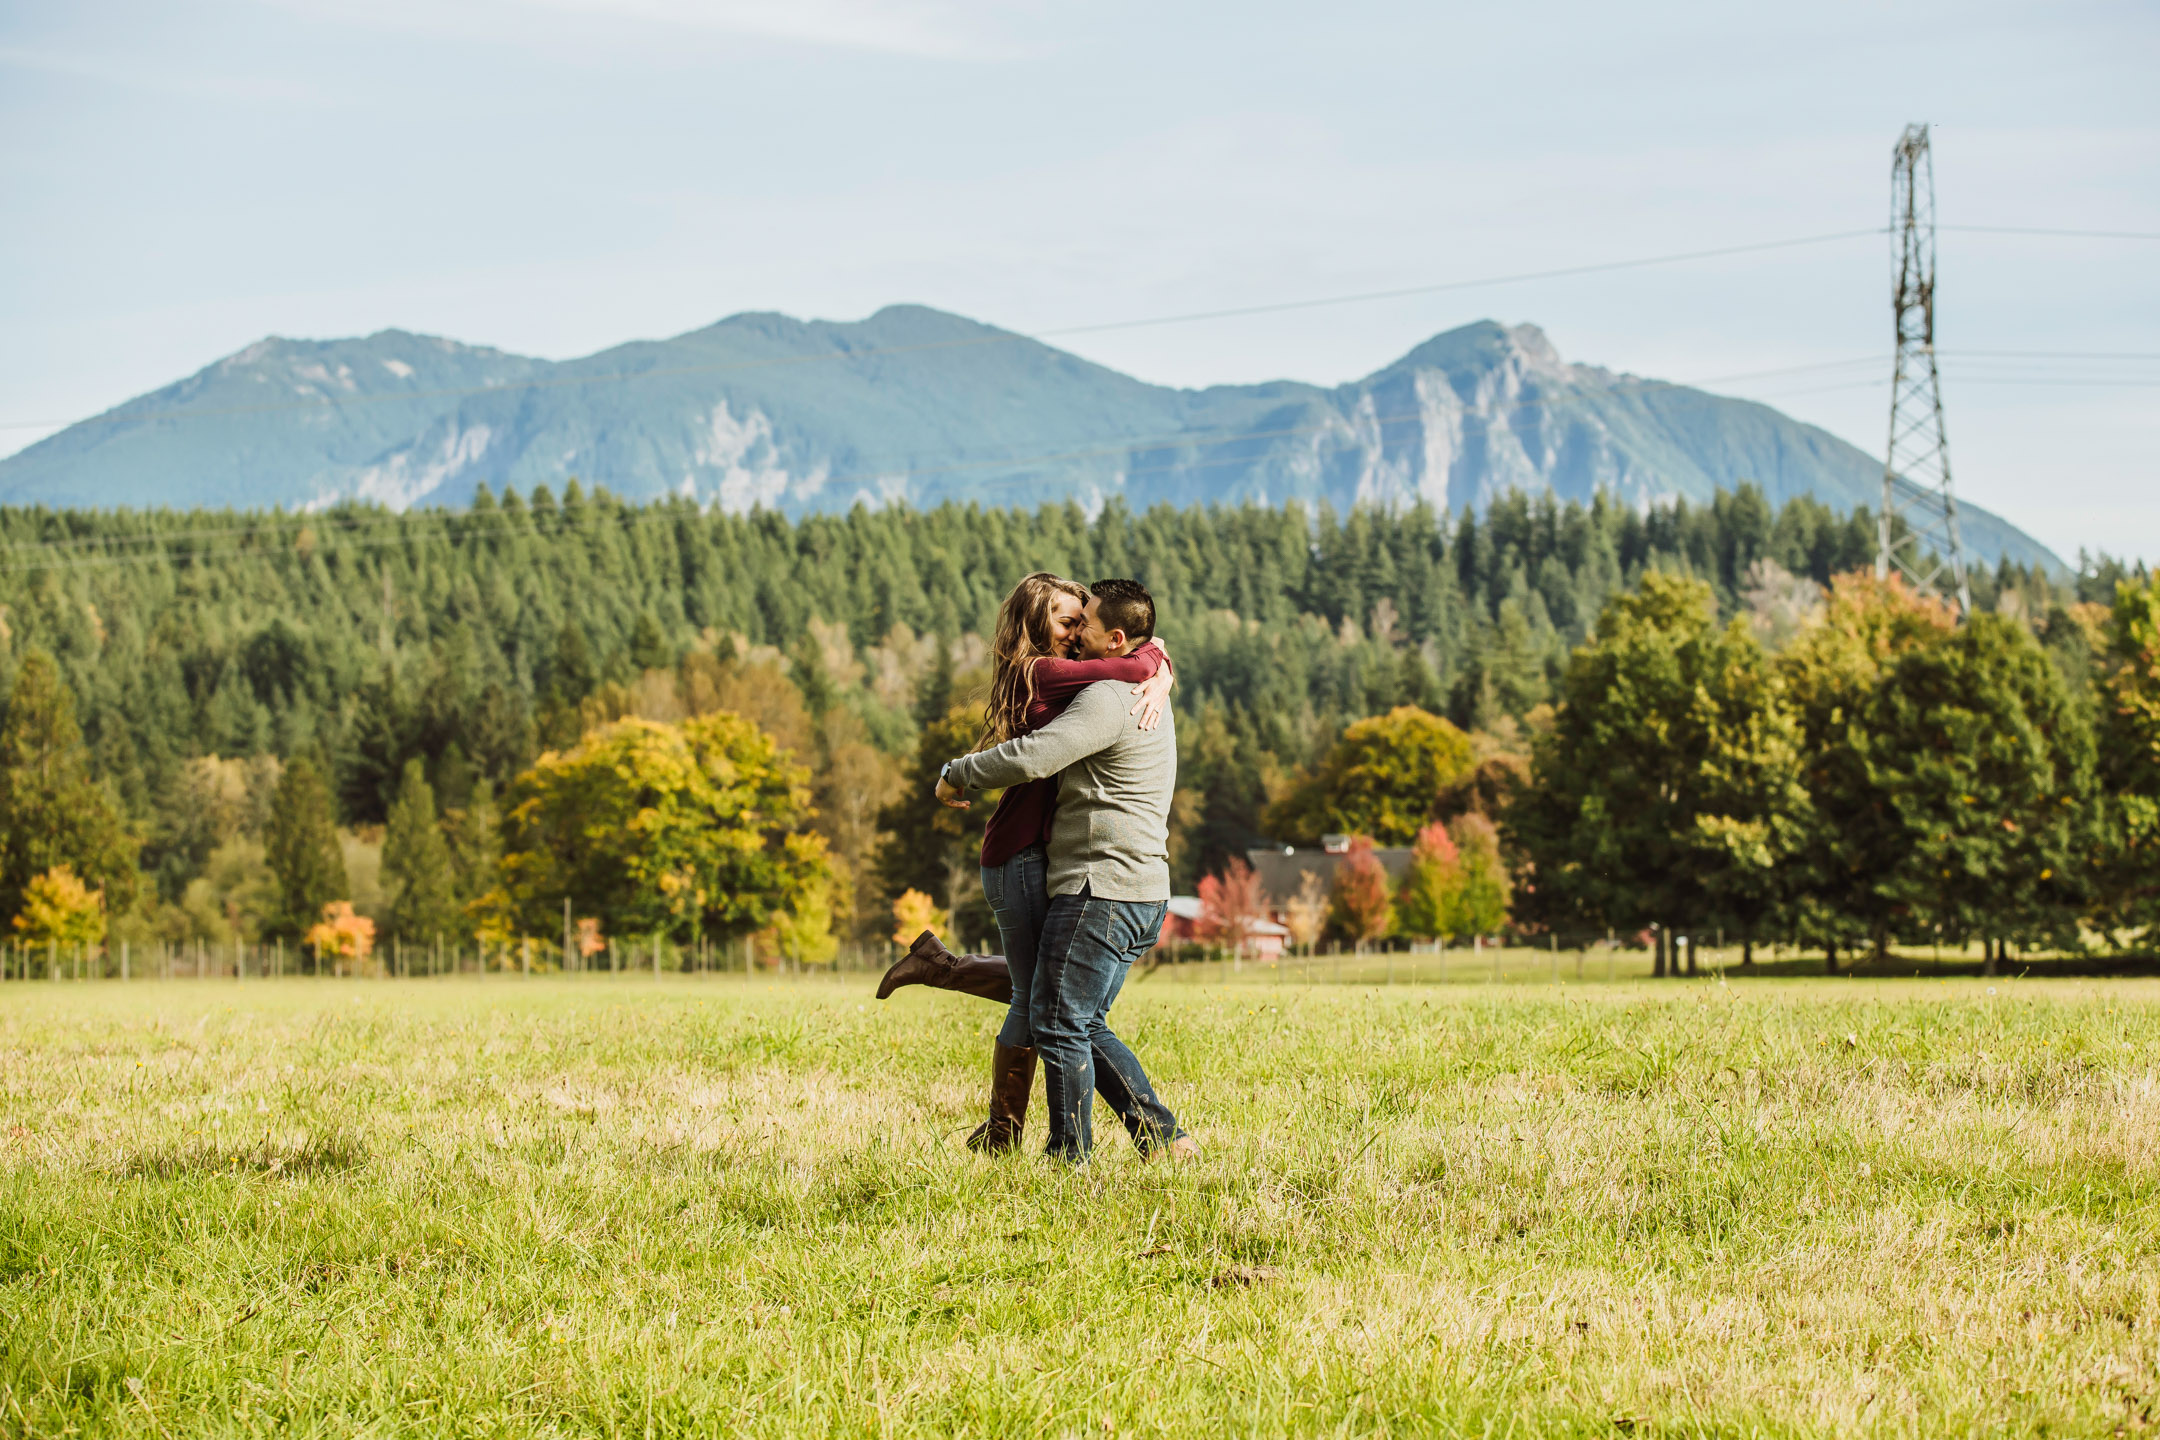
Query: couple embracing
(1079, 735)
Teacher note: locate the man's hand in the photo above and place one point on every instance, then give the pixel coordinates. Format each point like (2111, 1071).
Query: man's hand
(1152, 692)
(947, 795)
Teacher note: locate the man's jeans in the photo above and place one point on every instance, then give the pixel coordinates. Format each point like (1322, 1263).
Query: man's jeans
(1019, 896)
(1086, 949)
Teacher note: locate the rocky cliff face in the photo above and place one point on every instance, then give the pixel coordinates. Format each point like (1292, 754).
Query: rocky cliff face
(919, 406)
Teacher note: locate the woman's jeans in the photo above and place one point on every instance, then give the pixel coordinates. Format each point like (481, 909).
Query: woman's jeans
(1019, 896)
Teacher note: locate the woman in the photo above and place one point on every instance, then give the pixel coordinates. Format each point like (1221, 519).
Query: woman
(1031, 684)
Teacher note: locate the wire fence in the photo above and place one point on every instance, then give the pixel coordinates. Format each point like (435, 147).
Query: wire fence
(1473, 963)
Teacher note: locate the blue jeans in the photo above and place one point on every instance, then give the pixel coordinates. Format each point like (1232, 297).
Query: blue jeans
(1019, 896)
(1086, 948)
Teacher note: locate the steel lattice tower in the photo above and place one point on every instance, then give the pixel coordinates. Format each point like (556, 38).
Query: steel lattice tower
(1916, 466)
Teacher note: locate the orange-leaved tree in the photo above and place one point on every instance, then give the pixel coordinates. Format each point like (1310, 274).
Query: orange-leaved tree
(1360, 910)
(342, 936)
(1429, 900)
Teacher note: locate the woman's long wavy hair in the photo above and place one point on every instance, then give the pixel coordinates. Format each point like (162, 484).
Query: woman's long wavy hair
(1025, 634)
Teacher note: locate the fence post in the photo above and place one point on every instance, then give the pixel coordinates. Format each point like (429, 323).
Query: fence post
(52, 959)
(1556, 957)
(656, 956)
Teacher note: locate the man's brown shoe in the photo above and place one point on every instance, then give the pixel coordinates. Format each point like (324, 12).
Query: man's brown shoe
(1012, 1077)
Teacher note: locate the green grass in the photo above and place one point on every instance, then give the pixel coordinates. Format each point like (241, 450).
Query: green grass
(635, 1206)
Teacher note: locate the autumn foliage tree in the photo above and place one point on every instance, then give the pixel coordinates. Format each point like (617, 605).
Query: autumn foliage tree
(1359, 908)
(1481, 905)
(1382, 779)
(689, 830)
(1232, 904)
(1428, 902)
(342, 940)
(58, 908)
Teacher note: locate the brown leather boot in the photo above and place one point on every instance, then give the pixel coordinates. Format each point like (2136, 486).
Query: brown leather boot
(928, 962)
(1012, 1077)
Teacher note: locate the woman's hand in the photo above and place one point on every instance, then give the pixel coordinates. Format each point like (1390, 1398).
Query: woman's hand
(1152, 692)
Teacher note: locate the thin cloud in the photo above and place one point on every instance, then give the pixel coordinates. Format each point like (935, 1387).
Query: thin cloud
(156, 79)
(931, 29)
(965, 30)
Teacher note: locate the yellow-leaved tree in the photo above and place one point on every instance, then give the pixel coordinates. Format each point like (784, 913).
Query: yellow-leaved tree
(59, 908)
(913, 913)
(687, 830)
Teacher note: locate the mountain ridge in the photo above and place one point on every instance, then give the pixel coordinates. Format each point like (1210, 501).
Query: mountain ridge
(914, 404)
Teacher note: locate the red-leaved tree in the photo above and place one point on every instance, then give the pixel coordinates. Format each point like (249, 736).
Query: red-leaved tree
(1232, 905)
(1359, 909)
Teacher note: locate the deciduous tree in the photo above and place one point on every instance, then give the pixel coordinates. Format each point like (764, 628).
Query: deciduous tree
(1359, 909)
(1232, 905)
(1428, 902)
(1381, 779)
(683, 830)
(58, 908)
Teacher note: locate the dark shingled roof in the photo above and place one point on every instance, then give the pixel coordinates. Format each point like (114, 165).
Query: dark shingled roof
(1282, 870)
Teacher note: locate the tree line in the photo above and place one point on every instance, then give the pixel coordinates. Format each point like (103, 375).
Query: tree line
(217, 720)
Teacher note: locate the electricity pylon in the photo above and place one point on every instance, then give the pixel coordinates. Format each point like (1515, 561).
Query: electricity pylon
(1916, 466)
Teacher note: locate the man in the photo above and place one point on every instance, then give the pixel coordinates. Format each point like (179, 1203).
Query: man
(1109, 873)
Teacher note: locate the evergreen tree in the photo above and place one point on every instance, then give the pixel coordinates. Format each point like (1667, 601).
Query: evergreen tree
(416, 866)
(52, 813)
(303, 852)
(571, 677)
(929, 846)
(474, 832)
(648, 649)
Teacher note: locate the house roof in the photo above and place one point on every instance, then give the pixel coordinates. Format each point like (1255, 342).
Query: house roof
(1190, 909)
(1283, 869)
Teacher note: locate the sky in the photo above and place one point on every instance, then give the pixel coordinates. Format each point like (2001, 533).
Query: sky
(180, 178)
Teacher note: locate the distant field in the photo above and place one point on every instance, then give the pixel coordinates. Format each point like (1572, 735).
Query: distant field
(632, 1206)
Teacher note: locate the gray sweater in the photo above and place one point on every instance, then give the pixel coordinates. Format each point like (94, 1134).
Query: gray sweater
(1112, 828)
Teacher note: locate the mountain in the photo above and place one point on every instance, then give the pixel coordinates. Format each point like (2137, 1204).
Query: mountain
(918, 405)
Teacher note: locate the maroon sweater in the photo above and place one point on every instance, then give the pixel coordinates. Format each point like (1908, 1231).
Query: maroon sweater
(1023, 813)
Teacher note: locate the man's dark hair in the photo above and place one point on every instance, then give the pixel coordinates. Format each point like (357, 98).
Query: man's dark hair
(1125, 605)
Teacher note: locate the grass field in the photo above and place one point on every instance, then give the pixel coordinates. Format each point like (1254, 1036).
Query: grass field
(639, 1206)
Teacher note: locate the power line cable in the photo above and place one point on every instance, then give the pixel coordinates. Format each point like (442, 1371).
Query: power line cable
(1007, 337)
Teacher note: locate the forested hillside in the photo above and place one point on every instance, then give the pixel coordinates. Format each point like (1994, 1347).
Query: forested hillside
(207, 651)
